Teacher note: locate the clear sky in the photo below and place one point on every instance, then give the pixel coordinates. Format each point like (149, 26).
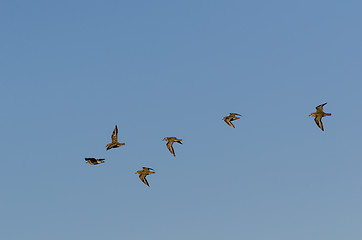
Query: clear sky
(71, 70)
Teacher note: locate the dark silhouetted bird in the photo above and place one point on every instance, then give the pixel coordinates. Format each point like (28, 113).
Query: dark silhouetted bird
(170, 141)
(319, 114)
(143, 174)
(230, 118)
(94, 161)
(114, 143)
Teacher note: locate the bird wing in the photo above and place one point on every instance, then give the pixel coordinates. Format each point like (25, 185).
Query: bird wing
(169, 146)
(320, 107)
(318, 121)
(115, 134)
(91, 161)
(147, 168)
(235, 114)
(228, 122)
(143, 179)
(108, 146)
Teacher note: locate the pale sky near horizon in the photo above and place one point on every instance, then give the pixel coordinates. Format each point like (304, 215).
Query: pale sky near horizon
(71, 70)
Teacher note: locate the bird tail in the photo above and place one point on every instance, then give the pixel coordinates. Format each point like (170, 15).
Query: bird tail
(328, 114)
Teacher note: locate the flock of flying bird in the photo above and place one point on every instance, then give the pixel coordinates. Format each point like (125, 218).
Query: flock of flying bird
(318, 115)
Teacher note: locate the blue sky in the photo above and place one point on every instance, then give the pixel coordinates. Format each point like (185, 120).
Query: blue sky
(71, 70)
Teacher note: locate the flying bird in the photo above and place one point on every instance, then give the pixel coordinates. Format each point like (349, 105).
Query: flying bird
(230, 118)
(143, 174)
(170, 141)
(114, 143)
(319, 114)
(94, 161)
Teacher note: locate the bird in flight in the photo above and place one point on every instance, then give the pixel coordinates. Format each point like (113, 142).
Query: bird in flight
(230, 118)
(94, 161)
(170, 141)
(114, 143)
(319, 114)
(143, 174)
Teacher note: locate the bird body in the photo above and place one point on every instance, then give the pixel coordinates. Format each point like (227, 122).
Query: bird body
(143, 174)
(170, 141)
(114, 143)
(319, 114)
(94, 161)
(230, 118)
